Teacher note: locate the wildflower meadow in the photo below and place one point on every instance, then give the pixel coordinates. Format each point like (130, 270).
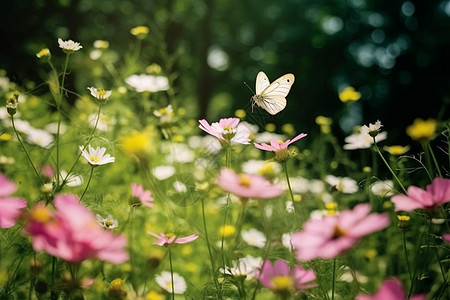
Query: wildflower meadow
(116, 190)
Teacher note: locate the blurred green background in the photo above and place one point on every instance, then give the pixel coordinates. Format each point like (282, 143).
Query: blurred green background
(396, 53)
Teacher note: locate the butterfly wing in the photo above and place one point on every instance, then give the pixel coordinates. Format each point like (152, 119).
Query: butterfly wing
(262, 82)
(273, 97)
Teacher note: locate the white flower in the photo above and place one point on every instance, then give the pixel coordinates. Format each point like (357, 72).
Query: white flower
(342, 184)
(39, 137)
(373, 127)
(286, 240)
(243, 267)
(383, 188)
(109, 222)
(148, 83)
(100, 94)
(71, 180)
(164, 280)
(254, 237)
(363, 140)
(96, 157)
(256, 166)
(289, 206)
(163, 172)
(178, 153)
(69, 46)
(180, 187)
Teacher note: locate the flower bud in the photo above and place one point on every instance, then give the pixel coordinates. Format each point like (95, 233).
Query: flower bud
(11, 104)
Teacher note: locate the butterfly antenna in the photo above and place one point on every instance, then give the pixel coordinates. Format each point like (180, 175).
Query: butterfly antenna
(249, 87)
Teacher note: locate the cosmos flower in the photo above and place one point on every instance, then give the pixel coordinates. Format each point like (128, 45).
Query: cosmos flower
(99, 94)
(109, 222)
(96, 157)
(164, 280)
(283, 280)
(247, 185)
(244, 267)
(254, 237)
(10, 208)
(227, 131)
(72, 233)
(148, 83)
(334, 234)
(280, 147)
(363, 139)
(391, 289)
(165, 239)
(69, 46)
(436, 194)
(142, 196)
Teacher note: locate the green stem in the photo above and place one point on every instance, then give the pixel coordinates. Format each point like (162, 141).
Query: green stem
(286, 173)
(434, 160)
(406, 255)
(87, 185)
(334, 279)
(58, 108)
(209, 250)
(171, 274)
(389, 167)
(79, 154)
(26, 152)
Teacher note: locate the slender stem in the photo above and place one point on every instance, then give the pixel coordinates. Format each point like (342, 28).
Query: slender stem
(434, 160)
(26, 152)
(406, 255)
(171, 274)
(58, 108)
(209, 250)
(87, 185)
(290, 189)
(79, 154)
(334, 279)
(389, 167)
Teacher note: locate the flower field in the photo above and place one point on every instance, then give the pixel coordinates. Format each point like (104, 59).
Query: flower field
(118, 192)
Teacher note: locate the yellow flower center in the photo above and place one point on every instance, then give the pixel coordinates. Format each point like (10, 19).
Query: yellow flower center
(244, 180)
(95, 159)
(282, 283)
(169, 235)
(101, 93)
(154, 296)
(116, 283)
(43, 52)
(41, 215)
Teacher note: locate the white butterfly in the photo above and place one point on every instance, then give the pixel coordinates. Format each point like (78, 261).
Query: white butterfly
(271, 96)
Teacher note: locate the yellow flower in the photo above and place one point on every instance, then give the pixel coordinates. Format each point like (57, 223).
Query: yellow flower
(240, 113)
(422, 129)
(324, 123)
(100, 44)
(270, 127)
(349, 94)
(135, 143)
(227, 230)
(5, 137)
(153, 69)
(140, 31)
(396, 149)
(288, 129)
(152, 295)
(44, 53)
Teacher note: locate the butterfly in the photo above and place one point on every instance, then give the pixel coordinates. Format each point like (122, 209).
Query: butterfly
(272, 96)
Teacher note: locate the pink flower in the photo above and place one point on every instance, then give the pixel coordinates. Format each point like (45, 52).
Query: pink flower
(169, 238)
(282, 154)
(143, 196)
(247, 185)
(281, 279)
(391, 289)
(72, 233)
(10, 208)
(228, 131)
(436, 194)
(334, 234)
(279, 145)
(446, 237)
